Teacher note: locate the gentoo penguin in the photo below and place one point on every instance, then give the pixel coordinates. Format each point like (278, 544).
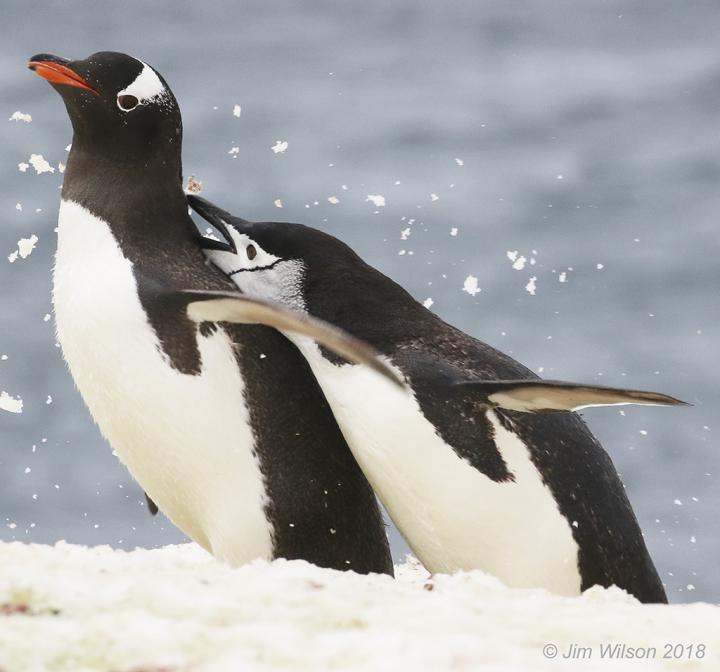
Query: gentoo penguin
(223, 425)
(478, 462)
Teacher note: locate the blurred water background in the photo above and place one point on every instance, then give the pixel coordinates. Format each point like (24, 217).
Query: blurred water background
(582, 136)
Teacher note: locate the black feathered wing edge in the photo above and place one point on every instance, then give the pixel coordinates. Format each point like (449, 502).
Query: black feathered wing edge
(223, 306)
(534, 396)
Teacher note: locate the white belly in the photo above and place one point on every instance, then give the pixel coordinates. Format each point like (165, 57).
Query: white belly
(186, 439)
(452, 516)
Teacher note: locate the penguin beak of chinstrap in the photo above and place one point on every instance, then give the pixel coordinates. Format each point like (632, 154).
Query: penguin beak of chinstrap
(56, 71)
(218, 218)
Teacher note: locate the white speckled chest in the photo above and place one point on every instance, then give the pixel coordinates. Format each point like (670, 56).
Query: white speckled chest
(185, 438)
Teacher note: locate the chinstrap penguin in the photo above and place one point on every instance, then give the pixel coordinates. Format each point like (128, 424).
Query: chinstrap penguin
(220, 420)
(479, 463)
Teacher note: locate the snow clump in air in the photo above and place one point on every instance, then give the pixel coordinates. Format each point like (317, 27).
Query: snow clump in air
(24, 249)
(20, 116)
(9, 403)
(471, 285)
(40, 164)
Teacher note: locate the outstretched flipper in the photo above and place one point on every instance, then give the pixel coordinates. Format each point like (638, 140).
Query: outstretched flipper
(534, 396)
(220, 306)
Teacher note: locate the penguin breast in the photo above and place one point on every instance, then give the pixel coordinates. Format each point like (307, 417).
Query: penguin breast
(185, 438)
(452, 515)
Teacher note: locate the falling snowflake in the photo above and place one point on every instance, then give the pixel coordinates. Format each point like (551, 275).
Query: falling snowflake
(376, 199)
(20, 116)
(25, 248)
(471, 285)
(38, 162)
(10, 404)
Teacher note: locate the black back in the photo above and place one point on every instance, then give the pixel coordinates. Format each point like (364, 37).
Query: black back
(321, 507)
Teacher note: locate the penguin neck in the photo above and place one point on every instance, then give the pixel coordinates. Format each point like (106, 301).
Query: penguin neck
(375, 309)
(140, 197)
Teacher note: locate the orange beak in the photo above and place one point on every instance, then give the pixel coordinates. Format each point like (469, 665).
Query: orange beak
(57, 73)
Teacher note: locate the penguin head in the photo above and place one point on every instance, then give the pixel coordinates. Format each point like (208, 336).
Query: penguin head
(287, 263)
(310, 271)
(114, 101)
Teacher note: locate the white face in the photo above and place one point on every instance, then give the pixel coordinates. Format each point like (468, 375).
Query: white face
(260, 274)
(147, 88)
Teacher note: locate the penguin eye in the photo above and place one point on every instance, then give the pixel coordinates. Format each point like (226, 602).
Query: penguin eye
(127, 103)
(251, 252)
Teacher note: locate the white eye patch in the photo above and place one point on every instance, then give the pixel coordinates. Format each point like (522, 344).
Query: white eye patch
(250, 256)
(146, 88)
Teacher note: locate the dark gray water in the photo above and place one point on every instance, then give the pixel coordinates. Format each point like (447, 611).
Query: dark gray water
(588, 134)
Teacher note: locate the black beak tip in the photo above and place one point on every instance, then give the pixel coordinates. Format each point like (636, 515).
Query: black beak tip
(213, 215)
(197, 203)
(47, 58)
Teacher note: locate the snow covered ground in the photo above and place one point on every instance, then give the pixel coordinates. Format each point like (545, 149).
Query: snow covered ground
(175, 609)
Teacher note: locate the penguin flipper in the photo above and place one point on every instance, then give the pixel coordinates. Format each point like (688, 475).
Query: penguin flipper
(223, 306)
(152, 506)
(533, 396)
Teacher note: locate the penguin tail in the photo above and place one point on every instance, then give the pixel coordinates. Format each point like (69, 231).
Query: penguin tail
(536, 396)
